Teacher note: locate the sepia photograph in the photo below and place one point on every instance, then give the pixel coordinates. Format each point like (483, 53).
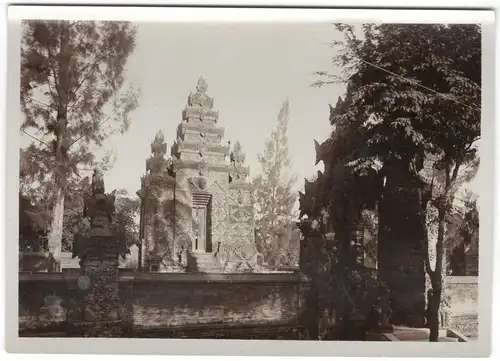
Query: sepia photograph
(309, 181)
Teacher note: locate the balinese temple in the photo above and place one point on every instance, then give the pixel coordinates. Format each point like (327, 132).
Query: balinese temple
(197, 211)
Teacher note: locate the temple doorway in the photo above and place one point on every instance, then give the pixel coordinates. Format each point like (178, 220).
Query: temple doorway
(201, 213)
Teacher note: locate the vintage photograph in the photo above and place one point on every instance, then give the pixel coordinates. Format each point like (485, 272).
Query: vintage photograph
(271, 181)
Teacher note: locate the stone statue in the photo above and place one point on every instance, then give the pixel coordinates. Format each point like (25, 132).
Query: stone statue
(157, 162)
(98, 206)
(158, 146)
(97, 182)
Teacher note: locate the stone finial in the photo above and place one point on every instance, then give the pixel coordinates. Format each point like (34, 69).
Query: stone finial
(334, 111)
(98, 206)
(158, 146)
(308, 201)
(237, 156)
(200, 99)
(97, 182)
(202, 85)
(323, 151)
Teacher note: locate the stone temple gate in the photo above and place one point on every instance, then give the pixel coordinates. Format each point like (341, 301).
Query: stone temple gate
(197, 206)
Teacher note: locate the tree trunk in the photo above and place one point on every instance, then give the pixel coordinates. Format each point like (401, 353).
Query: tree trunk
(437, 277)
(56, 231)
(61, 149)
(433, 313)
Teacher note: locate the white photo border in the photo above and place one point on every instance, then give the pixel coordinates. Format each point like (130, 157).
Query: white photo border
(481, 347)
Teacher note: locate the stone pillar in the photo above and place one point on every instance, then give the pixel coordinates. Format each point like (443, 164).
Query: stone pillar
(310, 245)
(74, 301)
(98, 250)
(126, 294)
(158, 211)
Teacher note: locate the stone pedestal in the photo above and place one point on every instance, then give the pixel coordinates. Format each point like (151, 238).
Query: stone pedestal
(99, 252)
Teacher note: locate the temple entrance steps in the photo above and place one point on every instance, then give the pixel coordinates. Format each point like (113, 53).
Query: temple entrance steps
(422, 335)
(206, 262)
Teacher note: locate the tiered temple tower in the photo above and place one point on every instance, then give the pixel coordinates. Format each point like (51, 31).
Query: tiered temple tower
(197, 210)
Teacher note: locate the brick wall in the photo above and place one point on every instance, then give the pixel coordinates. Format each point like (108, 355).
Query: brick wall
(42, 303)
(157, 304)
(165, 300)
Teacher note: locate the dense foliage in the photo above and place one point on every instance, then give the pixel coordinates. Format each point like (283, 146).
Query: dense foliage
(411, 114)
(71, 86)
(34, 220)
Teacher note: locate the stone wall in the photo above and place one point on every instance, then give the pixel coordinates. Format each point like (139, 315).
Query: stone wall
(464, 307)
(41, 303)
(38, 261)
(162, 301)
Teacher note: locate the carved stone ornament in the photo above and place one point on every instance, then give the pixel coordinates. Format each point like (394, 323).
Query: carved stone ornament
(200, 99)
(202, 85)
(158, 146)
(202, 147)
(99, 207)
(97, 182)
(202, 168)
(202, 183)
(157, 162)
(237, 156)
(240, 197)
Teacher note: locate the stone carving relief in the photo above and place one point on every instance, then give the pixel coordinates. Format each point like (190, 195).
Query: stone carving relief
(201, 148)
(234, 226)
(214, 159)
(203, 168)
(200, 183)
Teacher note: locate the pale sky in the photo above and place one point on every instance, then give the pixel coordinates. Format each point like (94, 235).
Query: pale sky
(250, 68)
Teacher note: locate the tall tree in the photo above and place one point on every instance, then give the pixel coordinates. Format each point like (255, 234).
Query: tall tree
(125, 221)
(72, 84)
(274, 197)
(415, 105)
